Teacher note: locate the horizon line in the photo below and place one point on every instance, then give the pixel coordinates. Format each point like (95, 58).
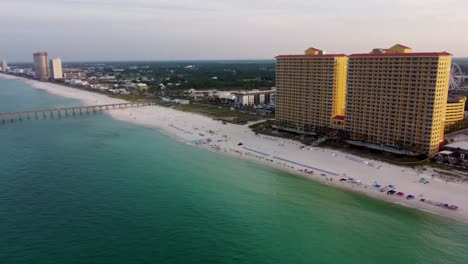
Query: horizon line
(159, 60)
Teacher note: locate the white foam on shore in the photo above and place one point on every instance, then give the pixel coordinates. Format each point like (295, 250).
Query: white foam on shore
(225, 139)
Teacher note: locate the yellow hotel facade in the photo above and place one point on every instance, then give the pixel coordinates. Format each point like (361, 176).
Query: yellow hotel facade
(395, 100)
(310, 89)
(455, 110)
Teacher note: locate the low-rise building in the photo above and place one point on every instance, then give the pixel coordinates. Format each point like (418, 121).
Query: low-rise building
(253, 98)
(17, 71)
(455, 110)
(119, 91)
(455, 154)
(74, 75)
(142, 87)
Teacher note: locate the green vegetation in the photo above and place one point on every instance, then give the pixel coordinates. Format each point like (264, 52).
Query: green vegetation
(218, 113)
(201, 75)
(460, 125)
(266, 128)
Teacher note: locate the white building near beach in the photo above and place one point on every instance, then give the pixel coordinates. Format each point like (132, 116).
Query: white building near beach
(254, 98)
(4, 66)
(56, 69)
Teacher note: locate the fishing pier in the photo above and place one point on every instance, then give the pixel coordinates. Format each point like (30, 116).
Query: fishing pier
(64, 112)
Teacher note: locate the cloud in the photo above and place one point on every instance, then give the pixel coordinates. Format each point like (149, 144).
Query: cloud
(221, 29)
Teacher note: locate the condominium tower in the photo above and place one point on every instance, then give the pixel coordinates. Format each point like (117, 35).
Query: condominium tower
(4, 65)
(396, 100)
(56, 69)
(41, 66)
(310, 90)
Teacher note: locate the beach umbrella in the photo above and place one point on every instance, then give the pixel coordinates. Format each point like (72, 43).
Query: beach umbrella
(400, 193)
(350, 179)
(391, 186)
(410, 197)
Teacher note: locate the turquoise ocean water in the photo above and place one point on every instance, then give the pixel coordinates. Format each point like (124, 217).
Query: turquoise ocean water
(93, 190)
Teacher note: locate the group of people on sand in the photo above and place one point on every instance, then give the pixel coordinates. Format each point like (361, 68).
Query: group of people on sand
(353, 184)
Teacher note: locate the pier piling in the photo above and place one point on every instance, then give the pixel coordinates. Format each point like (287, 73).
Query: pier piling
(13, 116)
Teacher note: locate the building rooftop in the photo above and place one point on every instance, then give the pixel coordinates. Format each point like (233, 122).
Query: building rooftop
(455, 98)
(310, 56)
(462, 145)
(445, 152)
(415, 54)
(403, 46)
(253, 92)
(339, 117)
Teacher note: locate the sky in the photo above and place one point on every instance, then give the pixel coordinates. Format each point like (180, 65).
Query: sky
(96, 30)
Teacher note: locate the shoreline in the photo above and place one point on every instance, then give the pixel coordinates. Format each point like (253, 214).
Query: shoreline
(284, 154)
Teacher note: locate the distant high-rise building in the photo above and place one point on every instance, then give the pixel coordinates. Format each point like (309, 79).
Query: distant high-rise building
(41, 66)
(74, 75)
(310, 93)
(396, 100)
(56, 69)
(4, 65)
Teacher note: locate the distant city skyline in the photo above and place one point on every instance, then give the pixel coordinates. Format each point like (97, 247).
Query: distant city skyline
(114, 30)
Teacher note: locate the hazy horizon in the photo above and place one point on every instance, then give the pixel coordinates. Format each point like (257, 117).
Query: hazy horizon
(182, 30)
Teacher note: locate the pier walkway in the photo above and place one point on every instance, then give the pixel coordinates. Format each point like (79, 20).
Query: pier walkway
(64, 112)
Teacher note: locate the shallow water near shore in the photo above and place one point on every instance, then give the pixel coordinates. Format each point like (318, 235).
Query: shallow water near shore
(90, 189)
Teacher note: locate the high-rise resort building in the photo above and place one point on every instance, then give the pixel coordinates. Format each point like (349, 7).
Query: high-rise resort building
(396, 100)
(310, 93)
(4, 66)
(56, 69)
(41, 66)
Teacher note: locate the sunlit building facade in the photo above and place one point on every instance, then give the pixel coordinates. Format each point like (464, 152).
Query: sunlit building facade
(4, 65)
(310, 90)
(41, 66)
(396, 100)
(455, 110)
(56, 69)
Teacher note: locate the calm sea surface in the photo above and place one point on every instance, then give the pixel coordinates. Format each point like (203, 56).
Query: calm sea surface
(93, 190)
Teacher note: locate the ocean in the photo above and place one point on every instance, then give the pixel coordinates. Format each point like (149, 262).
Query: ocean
(89, 189)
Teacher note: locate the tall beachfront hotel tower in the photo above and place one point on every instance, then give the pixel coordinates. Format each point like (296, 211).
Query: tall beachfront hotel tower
(310, 90)
(41, 66)
(56, 69)
(396, 100)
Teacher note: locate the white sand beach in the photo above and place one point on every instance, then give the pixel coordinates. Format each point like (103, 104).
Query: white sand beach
(328, 166)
